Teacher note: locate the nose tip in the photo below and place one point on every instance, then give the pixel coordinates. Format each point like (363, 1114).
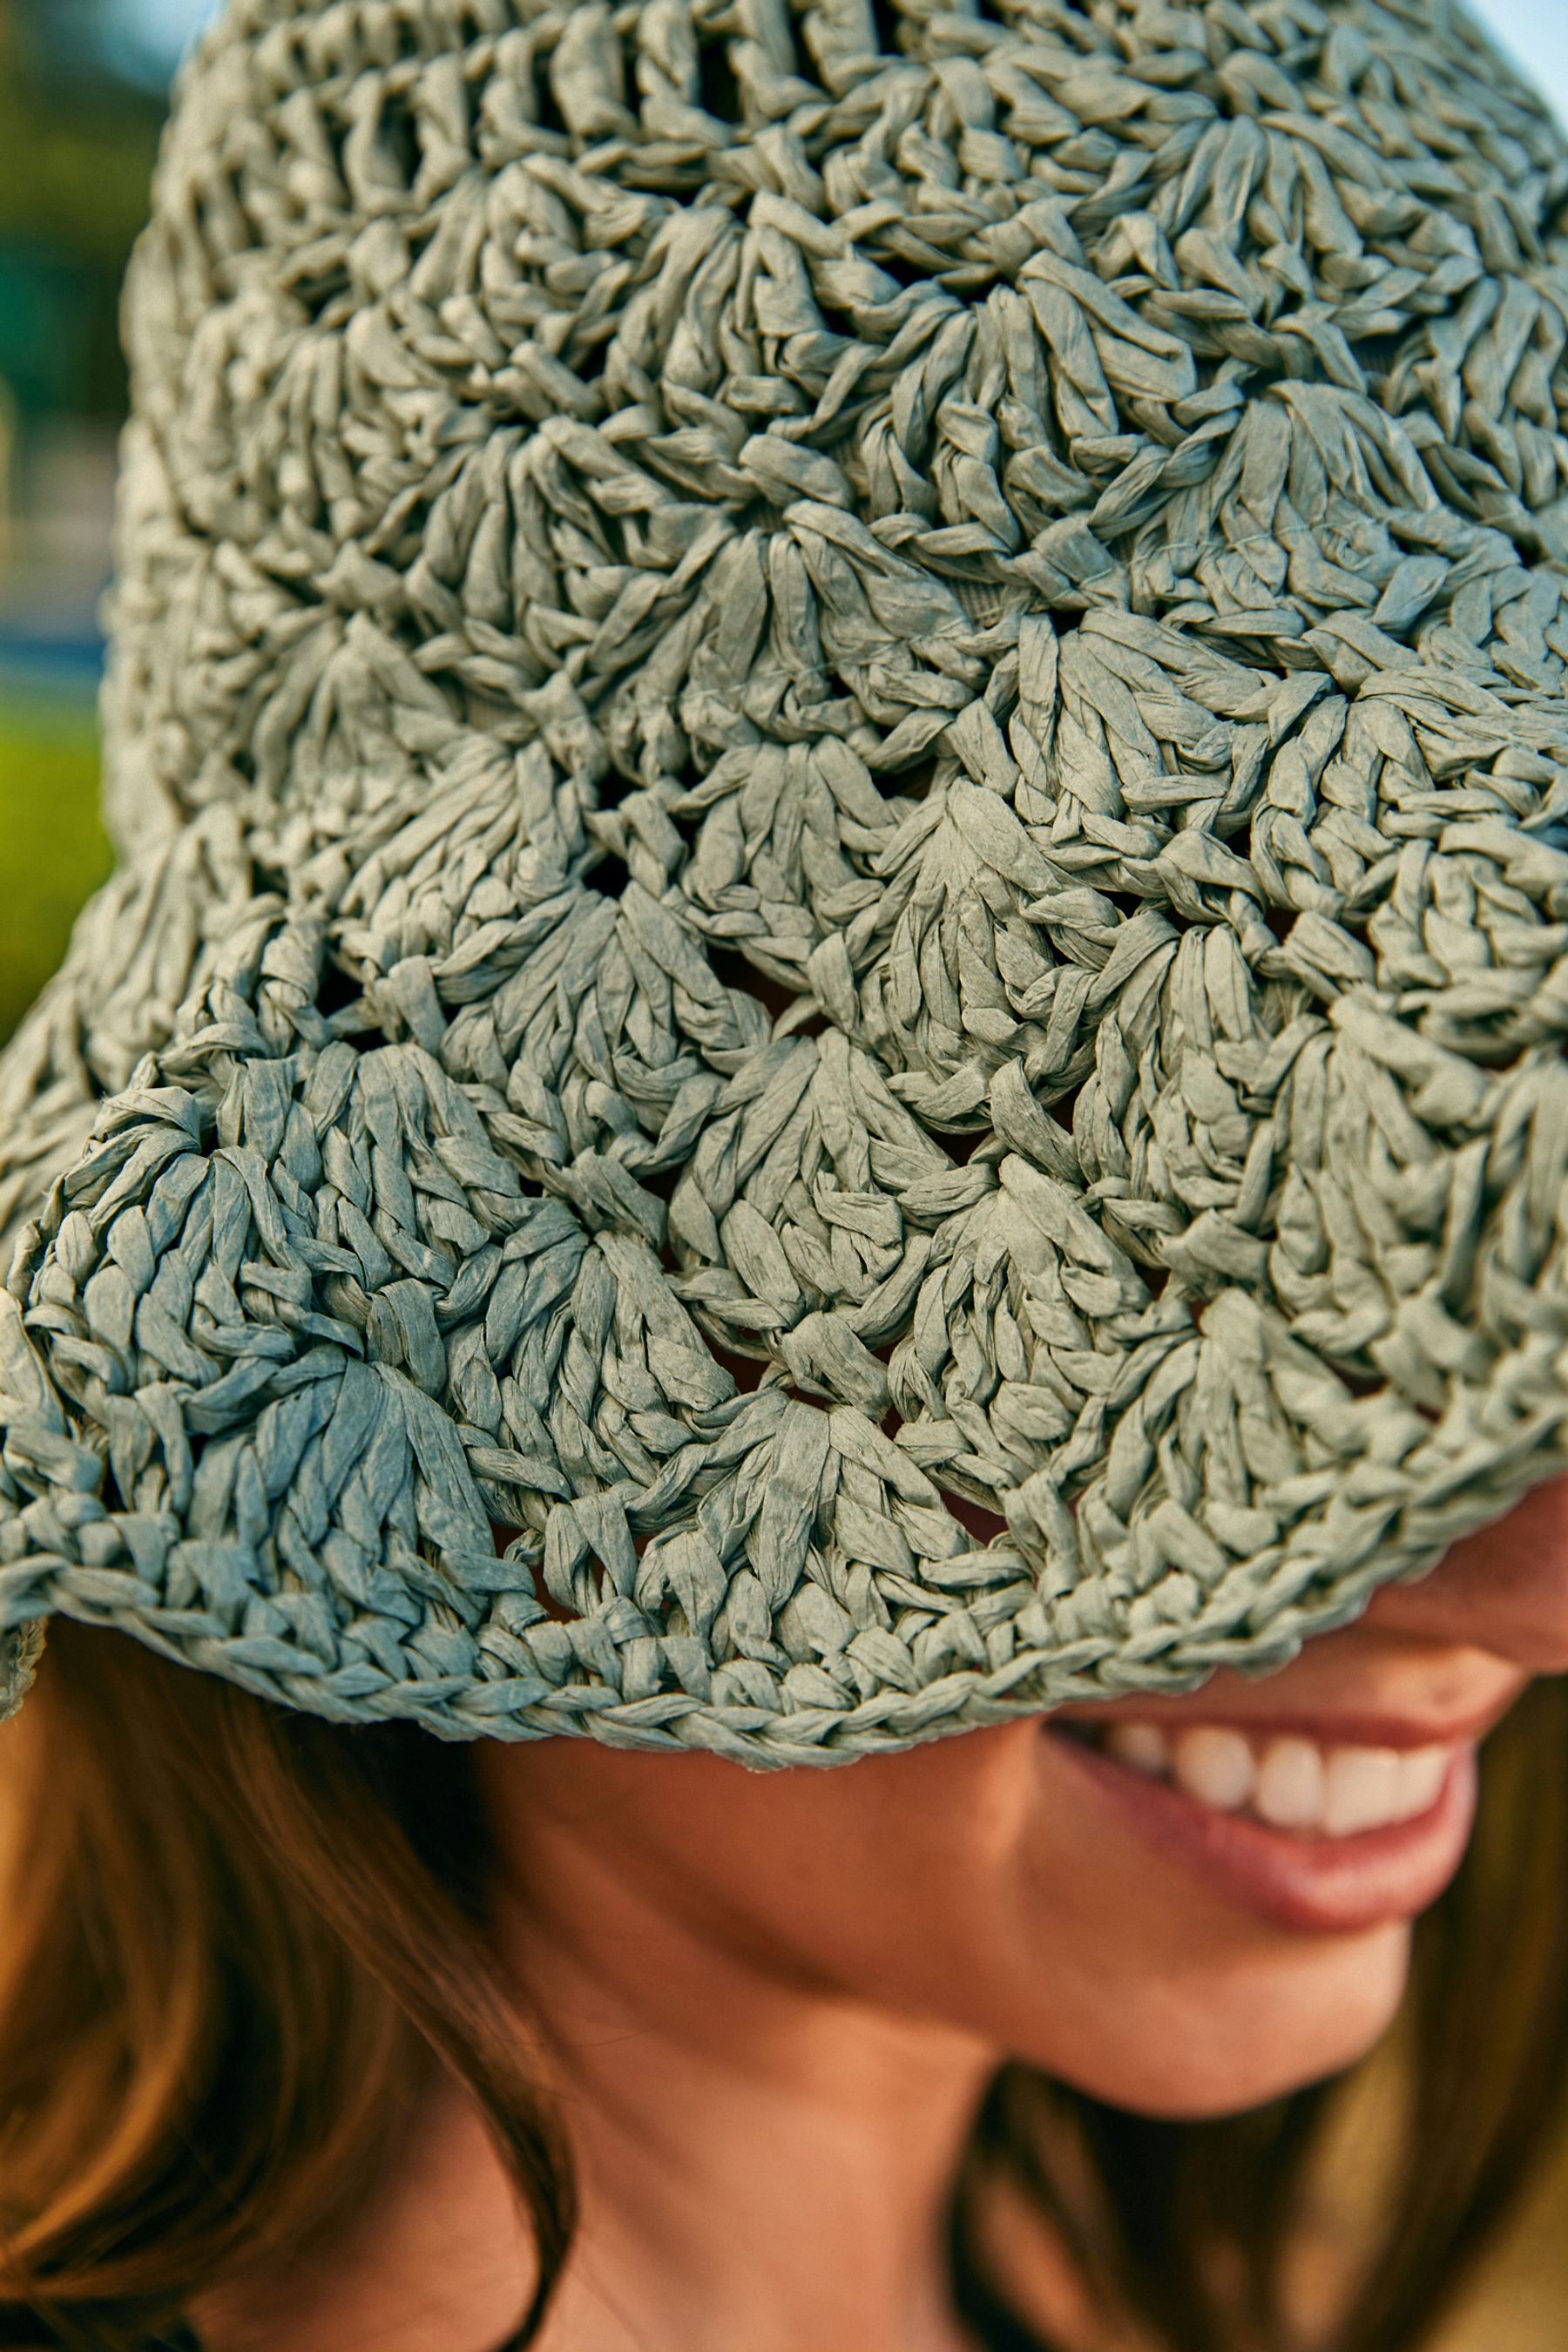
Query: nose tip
(1503, 1588)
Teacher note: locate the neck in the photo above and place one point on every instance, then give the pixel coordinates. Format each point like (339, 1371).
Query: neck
(763, 2160)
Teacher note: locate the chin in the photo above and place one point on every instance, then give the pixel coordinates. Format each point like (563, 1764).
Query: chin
(1268, 2030)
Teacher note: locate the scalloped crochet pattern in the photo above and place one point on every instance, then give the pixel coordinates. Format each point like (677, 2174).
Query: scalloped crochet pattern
(837, 995)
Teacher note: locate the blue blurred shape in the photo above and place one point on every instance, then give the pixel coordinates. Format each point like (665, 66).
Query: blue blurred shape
(56, 671)
(145, 39)
(1535, 34)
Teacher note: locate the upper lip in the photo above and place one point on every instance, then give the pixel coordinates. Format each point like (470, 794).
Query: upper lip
(1327, 1727)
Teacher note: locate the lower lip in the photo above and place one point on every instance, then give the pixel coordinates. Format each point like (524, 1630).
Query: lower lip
(1315, 1886)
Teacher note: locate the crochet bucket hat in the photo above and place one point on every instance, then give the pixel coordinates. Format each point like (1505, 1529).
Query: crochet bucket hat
(836, 994)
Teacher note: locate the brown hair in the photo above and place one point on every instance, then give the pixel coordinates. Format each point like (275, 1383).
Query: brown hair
(237, 1941)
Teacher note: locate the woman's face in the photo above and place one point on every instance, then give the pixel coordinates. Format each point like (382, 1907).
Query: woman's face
(1184, 1906)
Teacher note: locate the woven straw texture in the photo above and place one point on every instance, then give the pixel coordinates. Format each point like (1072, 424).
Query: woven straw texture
(838, 747)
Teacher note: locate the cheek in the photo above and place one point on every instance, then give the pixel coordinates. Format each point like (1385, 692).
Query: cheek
(1504, 1589)
(858, 1871)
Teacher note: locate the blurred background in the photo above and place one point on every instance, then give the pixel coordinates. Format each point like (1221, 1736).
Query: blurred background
(83, 88)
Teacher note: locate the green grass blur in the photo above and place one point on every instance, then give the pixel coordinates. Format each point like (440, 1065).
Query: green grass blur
(53, 853)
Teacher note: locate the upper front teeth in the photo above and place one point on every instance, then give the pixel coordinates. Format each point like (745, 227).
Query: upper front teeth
(1290, 1782)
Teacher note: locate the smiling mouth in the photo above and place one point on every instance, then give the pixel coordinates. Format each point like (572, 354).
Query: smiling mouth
(1310, 1833)
(1314, 1788)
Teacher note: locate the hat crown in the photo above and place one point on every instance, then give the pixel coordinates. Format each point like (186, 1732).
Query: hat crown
(847, 729)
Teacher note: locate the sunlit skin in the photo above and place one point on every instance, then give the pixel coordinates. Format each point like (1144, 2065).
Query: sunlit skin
(779, 1997)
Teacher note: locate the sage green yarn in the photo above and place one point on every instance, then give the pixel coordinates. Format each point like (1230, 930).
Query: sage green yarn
(878, 695)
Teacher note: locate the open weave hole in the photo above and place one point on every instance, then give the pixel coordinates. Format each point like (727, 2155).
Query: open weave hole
(838, 747)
